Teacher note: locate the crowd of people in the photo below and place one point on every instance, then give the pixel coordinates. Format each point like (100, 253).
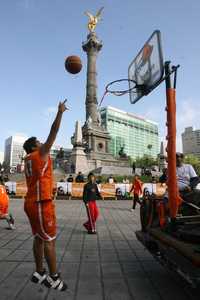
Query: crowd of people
(80, 178)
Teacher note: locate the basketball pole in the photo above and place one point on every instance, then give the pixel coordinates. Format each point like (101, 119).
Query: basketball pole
(174, 198)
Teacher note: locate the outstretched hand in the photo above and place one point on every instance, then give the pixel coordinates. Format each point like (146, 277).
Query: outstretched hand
(62, 106)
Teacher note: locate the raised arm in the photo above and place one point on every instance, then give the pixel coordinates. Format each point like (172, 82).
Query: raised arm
(45, 149)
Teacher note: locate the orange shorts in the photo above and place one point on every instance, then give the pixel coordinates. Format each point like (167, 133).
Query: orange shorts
(3, 207)
(42, 218)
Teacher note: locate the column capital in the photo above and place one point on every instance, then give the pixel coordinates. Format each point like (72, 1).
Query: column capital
(92, 43)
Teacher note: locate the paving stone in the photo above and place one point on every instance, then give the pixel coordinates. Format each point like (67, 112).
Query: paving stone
(108, 255)
(106, 245)
(121, 245)
(116, 289)
(4, 253)
(89, 255)
(126, 255)
(133, 269)
(142, 288)
(14, 244)
(16, 280)
(6, 268)
(17, 255)
(72, 256)
(111, 270)
(89, 286)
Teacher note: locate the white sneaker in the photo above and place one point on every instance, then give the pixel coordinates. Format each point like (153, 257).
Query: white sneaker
(11, 226)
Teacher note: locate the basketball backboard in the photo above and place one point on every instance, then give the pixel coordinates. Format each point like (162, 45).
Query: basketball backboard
(147, 69)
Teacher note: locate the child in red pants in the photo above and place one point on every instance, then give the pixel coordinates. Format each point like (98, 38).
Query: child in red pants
(90, 195)
(137, 190)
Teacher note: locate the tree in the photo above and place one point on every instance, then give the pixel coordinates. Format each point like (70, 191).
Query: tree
(145, 162)
(194, 161)
(149, 146)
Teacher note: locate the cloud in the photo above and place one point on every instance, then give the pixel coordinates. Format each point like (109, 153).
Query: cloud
(188, 114)
(49, 111)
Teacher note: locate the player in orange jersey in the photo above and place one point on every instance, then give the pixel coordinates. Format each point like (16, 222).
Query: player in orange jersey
(137, 190)
(4, 204)
(39, 206)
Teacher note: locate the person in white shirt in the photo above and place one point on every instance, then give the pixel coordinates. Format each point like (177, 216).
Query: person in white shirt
(187, 180)
(110, 179)
(184, 172)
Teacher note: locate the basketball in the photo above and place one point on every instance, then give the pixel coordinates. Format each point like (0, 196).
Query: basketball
(73, 64)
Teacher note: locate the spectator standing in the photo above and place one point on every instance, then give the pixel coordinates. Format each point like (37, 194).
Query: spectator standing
(79, 177)
(133, 168)
(70, 178)
(125, 180)
(110, 179)
(137, 190)
(163, 177)
(90, 195)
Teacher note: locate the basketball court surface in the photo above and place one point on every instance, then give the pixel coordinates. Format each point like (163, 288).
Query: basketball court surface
(112, 265)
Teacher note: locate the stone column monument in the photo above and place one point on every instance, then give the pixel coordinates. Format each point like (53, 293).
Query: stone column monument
(90, 145)
(92, 46)
(96, 137)
(161, 156)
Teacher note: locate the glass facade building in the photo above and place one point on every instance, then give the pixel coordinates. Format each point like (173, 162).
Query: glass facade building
(138, 136)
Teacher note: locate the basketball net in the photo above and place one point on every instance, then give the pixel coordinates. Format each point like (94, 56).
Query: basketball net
(118, 93)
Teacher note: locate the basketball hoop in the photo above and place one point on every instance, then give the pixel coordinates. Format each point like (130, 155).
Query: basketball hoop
(119, 92)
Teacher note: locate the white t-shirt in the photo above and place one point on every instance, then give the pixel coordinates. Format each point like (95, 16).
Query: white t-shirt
(184, 174)
(110, 180)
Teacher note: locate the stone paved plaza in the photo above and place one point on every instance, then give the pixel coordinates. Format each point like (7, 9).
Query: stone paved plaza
(112, 265)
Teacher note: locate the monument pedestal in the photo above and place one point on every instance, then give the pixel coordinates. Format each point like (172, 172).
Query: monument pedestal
(96, 140)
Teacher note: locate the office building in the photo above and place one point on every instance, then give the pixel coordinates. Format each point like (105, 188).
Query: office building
(1, 157)
(137, 135)
(13, 152)
(191, 142)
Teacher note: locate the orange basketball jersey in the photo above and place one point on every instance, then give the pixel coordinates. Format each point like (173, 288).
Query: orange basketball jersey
(4, 200)
(39, 177)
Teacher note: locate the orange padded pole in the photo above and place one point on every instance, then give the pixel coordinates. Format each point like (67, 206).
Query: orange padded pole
(174, 199)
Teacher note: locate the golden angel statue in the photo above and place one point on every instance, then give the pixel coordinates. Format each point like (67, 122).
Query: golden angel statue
(93, 20)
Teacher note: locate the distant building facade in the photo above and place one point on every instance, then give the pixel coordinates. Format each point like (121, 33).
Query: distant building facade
(1, 157)
(138, 136)
(191, 142)
(13, 152)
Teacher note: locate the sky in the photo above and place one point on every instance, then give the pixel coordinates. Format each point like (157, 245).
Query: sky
(37, 35)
